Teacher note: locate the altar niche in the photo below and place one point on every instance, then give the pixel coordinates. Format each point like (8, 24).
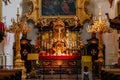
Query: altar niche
(57, 39)
(59, 42)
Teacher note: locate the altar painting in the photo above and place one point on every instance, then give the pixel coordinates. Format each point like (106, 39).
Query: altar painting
(58, 7)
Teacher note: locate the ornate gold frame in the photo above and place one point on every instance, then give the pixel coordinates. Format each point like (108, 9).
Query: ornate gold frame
(118, 8)
(35, 13)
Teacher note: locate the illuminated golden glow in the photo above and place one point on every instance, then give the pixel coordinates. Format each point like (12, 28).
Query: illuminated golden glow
(101, 27)
(98, 25)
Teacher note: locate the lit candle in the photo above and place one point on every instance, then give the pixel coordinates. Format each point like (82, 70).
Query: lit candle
(95, 18)
(72, 43)
(88, 26)
(100, 15)
(18, 15)
(59, 33)
(42, 45)
(47, 45)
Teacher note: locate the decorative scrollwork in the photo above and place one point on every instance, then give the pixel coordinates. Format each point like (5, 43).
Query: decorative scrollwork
(31, 7)
(70, 20)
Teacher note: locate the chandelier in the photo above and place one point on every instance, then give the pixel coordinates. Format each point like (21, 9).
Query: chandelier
(19, 26)
(98, 25)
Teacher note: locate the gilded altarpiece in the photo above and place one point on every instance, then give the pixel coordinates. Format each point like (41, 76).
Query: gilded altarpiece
(59, 42)
(36, 13)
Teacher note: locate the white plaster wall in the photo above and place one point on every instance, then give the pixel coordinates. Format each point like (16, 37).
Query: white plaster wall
(110, 39)
(32, 35)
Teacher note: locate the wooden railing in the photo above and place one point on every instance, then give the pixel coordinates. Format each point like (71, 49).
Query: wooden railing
(55, 73)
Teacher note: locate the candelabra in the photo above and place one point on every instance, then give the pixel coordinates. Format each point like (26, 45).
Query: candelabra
(18, 27)
(99, 26)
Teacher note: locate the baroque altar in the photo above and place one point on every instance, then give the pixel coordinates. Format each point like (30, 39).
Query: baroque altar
(59, 42)
(59, 33)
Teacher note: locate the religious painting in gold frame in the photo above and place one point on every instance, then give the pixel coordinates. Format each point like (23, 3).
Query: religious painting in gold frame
(118, 8)
(79, 6)
(58, 7)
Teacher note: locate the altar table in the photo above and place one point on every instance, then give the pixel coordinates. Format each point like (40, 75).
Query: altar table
(73, 57)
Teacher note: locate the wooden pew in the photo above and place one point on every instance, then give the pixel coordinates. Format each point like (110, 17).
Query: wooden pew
(10, 74)
(110, 74)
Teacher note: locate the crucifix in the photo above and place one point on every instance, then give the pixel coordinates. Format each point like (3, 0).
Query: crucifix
(59, 32)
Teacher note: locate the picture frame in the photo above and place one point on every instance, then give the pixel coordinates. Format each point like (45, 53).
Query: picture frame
(118, 8)
(60, 13)
(78, 11)
(58, 7)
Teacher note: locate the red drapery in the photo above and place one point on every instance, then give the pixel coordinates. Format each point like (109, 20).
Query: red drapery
(2, 26)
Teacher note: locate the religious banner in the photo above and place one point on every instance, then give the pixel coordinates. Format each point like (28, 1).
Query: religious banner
(87, 61)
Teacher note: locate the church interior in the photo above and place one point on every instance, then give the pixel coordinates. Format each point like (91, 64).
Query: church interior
(58, 39)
